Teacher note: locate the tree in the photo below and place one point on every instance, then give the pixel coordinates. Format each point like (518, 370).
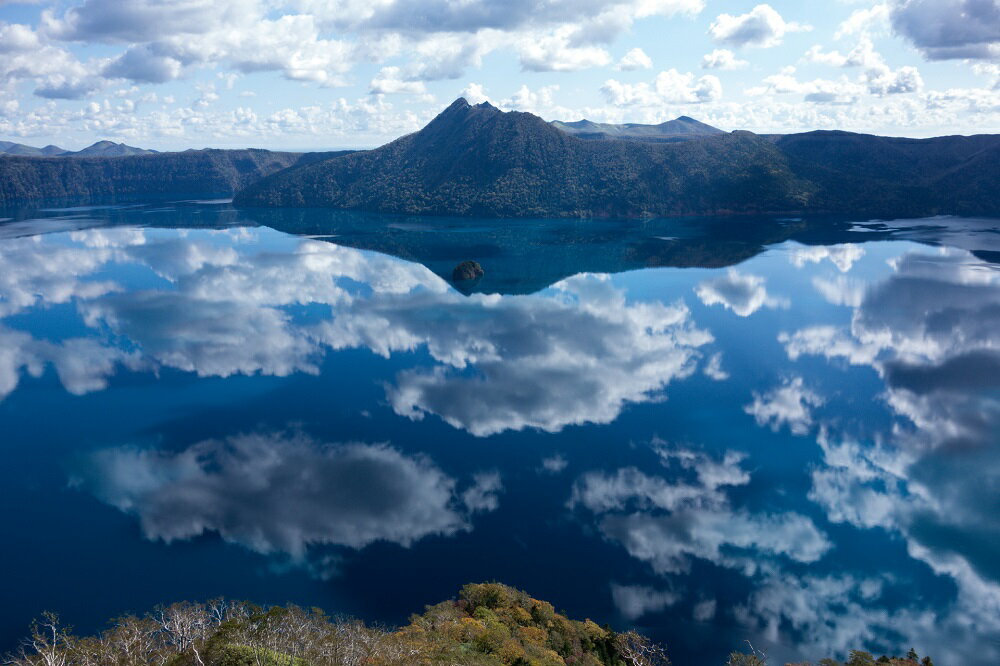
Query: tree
(860, 658)
(753, 658)
(637, 650)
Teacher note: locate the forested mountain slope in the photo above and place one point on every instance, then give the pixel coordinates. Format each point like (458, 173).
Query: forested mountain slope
(193, 171)
(478, 160)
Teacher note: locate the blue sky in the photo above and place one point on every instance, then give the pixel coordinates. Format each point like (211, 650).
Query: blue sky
(320, 74)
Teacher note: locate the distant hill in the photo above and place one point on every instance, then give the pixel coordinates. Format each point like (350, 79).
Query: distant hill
(111, 149)
(11, 148)
(679, 129)
(478, 160)
(191, 172)
(99, 149)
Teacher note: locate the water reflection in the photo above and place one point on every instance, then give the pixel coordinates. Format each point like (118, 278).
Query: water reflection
(283, 493)
(576, 353)
(800, 449)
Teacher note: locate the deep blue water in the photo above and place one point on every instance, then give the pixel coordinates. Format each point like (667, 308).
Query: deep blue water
(780, 431)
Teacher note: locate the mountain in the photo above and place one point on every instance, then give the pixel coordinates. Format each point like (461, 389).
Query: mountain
(11, 148)
(195, 172)
(679, 129)
(480, 161)
(111, 149)
(99, 149)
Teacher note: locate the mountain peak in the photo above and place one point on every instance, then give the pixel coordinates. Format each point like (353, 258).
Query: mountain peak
(106, 148)
(681, 128)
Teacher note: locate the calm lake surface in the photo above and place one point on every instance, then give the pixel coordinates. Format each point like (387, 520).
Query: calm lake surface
(711, 430)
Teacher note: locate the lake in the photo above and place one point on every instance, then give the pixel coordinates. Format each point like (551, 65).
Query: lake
(777, 430)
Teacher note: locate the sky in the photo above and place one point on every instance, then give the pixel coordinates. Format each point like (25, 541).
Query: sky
(326, 74)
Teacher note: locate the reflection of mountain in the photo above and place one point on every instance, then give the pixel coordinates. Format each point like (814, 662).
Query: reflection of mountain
(576, 354)
(524, 256)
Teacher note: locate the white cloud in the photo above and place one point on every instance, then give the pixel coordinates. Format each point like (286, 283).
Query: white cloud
(634, 601)
(389, 82)
(762, 26)
(843, 255)
(275, 493)
(865, 21)
(554, 464)
(822, 91)
(669, 87)
(722, 59)
(669, 523)
(556, 53)
(475, 93)
(789, 404)
(635, 59)
(483, 494)
(546, 380)
(841, 290)
(741, 293)
(704, 611)
(713, 369)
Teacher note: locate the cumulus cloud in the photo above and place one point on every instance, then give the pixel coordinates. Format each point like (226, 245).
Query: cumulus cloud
(532, 367)
(820, 91)
(634, 601)
(554, 464)
(669, 87)
(762, 26)
(722, 59)
(741, 293)
(843, 255)
(669, 522)
(879, 78)
(789, 404)
(389, 82)
(557, 53)
(713, 369)
(225, 312)
(483, 494)
(865, 21)
(635, 59)
(143, 20)
(841, 290)
(476, 15)
(275, 493)
(142, 64)
(949, 29)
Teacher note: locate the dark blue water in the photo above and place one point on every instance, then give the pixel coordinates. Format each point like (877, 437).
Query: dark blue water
(781, 431)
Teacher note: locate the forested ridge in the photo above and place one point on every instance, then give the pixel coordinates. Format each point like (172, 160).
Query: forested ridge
(488, 624)
(189, 172)
(478, 160)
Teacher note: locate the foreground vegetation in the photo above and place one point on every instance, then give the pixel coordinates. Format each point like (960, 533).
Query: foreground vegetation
(488, 624)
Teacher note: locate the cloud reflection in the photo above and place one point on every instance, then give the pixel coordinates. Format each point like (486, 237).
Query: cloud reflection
(221, 305)
(275, 493)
